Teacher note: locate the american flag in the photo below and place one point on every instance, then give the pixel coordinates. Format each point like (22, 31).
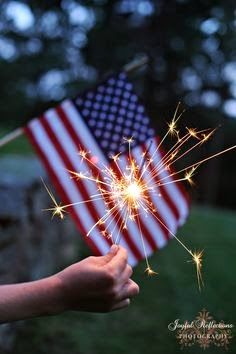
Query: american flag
(97, 121)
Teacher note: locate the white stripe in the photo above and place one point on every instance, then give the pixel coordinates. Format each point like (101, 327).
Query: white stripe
(160, 205)
(90, 144)
(132, 226)
(172, 189)
(68, 185)
(150, 222)
(71, 152)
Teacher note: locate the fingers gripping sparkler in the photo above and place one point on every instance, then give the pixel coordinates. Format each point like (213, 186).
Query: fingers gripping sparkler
(128, 195)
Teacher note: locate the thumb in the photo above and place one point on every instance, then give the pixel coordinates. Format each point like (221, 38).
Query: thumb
(112, 252)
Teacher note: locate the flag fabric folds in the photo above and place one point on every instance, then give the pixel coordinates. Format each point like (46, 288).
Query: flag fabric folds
(97, 121)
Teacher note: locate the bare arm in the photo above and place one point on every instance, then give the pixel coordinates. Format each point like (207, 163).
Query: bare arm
(98, 284)
(25, 300)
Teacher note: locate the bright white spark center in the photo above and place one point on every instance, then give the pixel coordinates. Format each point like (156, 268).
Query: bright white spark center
(134, 191)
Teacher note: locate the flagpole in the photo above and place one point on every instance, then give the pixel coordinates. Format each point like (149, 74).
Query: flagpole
(11, 136)
(128, 68)
(136, 64)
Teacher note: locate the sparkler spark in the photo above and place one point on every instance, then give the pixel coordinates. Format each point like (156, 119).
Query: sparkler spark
(150, 272)
(128, 195)
(58, 209)
(189, 175)
(197, 259)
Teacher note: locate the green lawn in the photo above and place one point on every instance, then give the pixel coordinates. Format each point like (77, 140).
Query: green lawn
(172, 294)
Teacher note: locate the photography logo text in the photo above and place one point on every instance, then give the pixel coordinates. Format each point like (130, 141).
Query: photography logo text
(203, 331)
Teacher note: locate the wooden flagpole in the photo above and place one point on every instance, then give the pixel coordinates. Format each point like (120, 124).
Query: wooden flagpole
(128, 68)
(11, 136)
(136, 64)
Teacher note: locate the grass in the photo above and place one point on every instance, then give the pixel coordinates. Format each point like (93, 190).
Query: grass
(172, 294)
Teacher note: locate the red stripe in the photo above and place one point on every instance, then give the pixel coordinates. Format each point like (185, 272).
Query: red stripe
(164, 193)
(145, 232)
(60, 190)
(96, 172)
(164, 231)
(148, 235)
(166, 197)
(74, 136)
(79, 184)
(178, 185)
(158, 215)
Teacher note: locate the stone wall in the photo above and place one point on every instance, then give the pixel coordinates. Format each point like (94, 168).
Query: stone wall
(31, 244)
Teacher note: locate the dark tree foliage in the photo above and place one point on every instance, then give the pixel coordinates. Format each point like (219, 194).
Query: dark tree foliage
(50, 50)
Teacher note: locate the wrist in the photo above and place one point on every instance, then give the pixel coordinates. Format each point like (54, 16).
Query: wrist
(54, 300)
(32, 299)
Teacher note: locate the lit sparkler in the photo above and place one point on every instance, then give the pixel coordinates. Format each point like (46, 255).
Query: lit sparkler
(127, 195)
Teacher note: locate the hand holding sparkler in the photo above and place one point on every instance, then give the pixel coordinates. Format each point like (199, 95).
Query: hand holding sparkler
(98, 284)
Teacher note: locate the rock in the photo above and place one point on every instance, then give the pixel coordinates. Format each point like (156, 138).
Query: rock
(31, 244)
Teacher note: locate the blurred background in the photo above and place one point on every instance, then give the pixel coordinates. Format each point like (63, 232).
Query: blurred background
(52, 50)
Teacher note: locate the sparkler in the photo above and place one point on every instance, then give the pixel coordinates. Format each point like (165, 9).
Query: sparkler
(127, 194)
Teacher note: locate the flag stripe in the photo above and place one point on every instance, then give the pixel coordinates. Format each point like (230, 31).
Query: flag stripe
(73, 115)
(174, 191)
(163, 190)
(67, 160)
(73, 162)
(64, 186)
(164, 209)
(157, 231)
(163, 212)
(88, 143)
(78, 140)
(123, 161)
(132, 226)
(68, 125)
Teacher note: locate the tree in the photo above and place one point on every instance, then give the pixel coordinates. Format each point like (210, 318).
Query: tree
(51, 50)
